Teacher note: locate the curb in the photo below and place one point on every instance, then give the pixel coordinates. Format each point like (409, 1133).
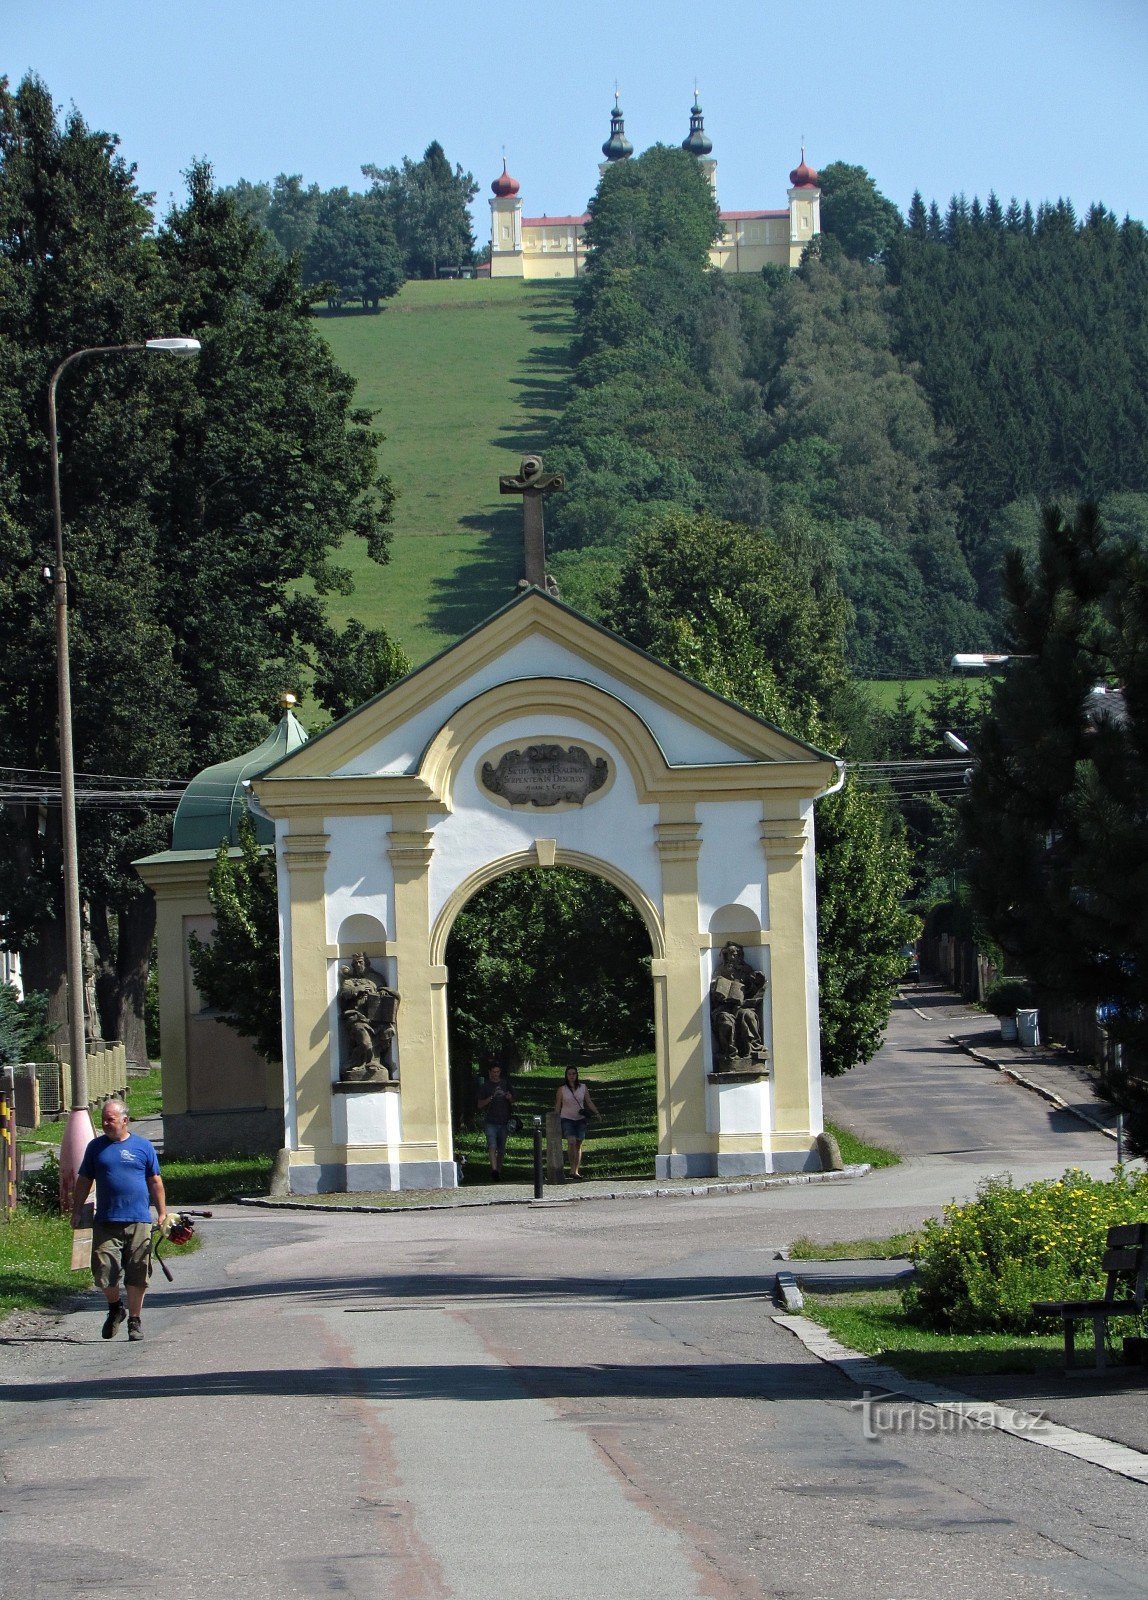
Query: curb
(693, 1191)
(1050, 1095)
(1029, 1426)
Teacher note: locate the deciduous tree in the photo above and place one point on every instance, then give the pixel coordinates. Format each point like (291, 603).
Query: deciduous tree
(196, 497)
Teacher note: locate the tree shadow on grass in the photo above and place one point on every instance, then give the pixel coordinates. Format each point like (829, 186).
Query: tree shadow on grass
(486, 579)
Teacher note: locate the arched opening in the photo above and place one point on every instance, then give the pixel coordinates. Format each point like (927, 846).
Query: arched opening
(549, 968)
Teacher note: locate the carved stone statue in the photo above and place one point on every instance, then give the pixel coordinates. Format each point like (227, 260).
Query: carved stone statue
(737, 995)
(368, 1009)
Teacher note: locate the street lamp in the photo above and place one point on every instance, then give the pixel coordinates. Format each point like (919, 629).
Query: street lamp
(79, 1129)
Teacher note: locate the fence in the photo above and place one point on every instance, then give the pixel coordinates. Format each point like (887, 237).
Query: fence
(959, 964)
(107, 1073)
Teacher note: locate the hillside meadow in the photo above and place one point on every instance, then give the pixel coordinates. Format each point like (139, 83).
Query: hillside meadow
(464, 378)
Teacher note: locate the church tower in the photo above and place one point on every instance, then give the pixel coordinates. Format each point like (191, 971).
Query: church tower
(505, 227)
(617, 146)
(699, 143)
(804, 209)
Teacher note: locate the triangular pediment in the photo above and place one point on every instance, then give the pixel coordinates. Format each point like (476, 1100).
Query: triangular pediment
(535, 639)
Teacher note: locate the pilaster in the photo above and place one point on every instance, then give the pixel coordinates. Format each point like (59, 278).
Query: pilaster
(303, 852)
(677, 983)
(785, 841)
(421, 986)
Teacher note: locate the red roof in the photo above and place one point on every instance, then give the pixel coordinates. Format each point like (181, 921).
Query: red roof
(555, 222)
(749, 216)
(802, 176)
(504, 185)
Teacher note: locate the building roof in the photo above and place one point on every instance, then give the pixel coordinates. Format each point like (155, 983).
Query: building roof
(215, 799)
(749, 216)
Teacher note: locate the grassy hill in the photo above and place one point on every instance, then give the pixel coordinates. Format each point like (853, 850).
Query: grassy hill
(464, 378)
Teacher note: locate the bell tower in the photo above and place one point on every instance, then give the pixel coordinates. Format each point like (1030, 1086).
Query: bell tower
(505, 227)
(804, 209)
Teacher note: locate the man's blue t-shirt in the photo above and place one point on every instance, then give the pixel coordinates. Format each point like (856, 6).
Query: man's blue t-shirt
(121, 1168)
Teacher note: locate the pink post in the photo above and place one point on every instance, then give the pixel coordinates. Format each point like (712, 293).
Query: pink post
(77, 1136)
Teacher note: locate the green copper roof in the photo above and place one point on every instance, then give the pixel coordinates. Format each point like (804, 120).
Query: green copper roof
(215, 799)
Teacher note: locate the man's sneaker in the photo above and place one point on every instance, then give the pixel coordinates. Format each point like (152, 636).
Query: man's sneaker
(135, 1329)
(115, 1316)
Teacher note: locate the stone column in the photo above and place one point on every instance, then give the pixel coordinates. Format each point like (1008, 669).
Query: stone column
(426, 1153)
(312, 1046)
(684, 1147)
(785, 841)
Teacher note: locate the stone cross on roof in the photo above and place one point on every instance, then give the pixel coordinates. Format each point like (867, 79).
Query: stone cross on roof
(532, 483)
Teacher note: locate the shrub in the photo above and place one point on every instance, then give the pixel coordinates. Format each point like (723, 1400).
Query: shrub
(1007, 996)
(40, 1190)
(980, 1269)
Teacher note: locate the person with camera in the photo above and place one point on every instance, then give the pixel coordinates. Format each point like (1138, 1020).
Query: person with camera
(573, 1104)
(496, 1103)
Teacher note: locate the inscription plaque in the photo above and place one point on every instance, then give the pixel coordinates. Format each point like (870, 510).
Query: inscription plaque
(545, 775)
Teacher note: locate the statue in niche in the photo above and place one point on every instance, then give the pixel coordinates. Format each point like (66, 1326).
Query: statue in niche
(368, 1009)
(737, 996)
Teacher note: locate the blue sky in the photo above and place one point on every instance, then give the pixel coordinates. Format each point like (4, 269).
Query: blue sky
(1037, 98)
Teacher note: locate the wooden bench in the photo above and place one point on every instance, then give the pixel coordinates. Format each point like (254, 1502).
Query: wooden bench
(1125, 1261)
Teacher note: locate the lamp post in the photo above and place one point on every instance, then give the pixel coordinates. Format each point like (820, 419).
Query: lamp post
(79, 1130)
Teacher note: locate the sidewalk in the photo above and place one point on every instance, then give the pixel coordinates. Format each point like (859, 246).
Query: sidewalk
(1049, 1070)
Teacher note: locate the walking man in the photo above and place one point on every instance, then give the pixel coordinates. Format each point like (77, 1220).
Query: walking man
(125, 1170)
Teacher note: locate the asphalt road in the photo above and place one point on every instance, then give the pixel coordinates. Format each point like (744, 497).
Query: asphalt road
(573, 1398)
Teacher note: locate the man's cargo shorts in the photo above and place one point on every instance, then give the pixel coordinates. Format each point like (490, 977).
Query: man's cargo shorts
(121, 1250)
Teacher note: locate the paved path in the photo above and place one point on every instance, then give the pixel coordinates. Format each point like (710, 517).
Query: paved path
(522, 1400)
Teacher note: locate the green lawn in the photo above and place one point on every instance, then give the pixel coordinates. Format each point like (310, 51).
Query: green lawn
(465, 377)
(886, 692)
(622, 1145)
(874, 1322)
(197, 1183)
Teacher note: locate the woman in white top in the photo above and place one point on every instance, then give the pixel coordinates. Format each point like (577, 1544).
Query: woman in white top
(572, 1102)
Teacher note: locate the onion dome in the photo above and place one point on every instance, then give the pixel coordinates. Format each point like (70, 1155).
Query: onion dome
(617, 146)
(803, 177)
(215, 799)
(504, 185)
(697, 141)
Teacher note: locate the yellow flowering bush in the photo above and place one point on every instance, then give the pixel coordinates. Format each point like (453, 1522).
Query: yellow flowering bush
(980, 1269)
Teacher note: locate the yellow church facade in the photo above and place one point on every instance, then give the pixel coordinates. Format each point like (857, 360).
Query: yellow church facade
(555, 247)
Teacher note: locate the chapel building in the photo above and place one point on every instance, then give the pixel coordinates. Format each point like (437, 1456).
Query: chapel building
(555, 247)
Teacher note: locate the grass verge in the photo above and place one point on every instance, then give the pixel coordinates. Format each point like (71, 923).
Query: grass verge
(854, 1151)
(35, 1256)
(874, 1322)
(892, 1248)
(35, 1262)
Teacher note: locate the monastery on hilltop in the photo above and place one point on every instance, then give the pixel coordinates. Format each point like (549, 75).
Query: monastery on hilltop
(554, 247)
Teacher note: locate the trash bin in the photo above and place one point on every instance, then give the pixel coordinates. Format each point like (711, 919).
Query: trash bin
(1028, 1028)
(1008, 1030)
